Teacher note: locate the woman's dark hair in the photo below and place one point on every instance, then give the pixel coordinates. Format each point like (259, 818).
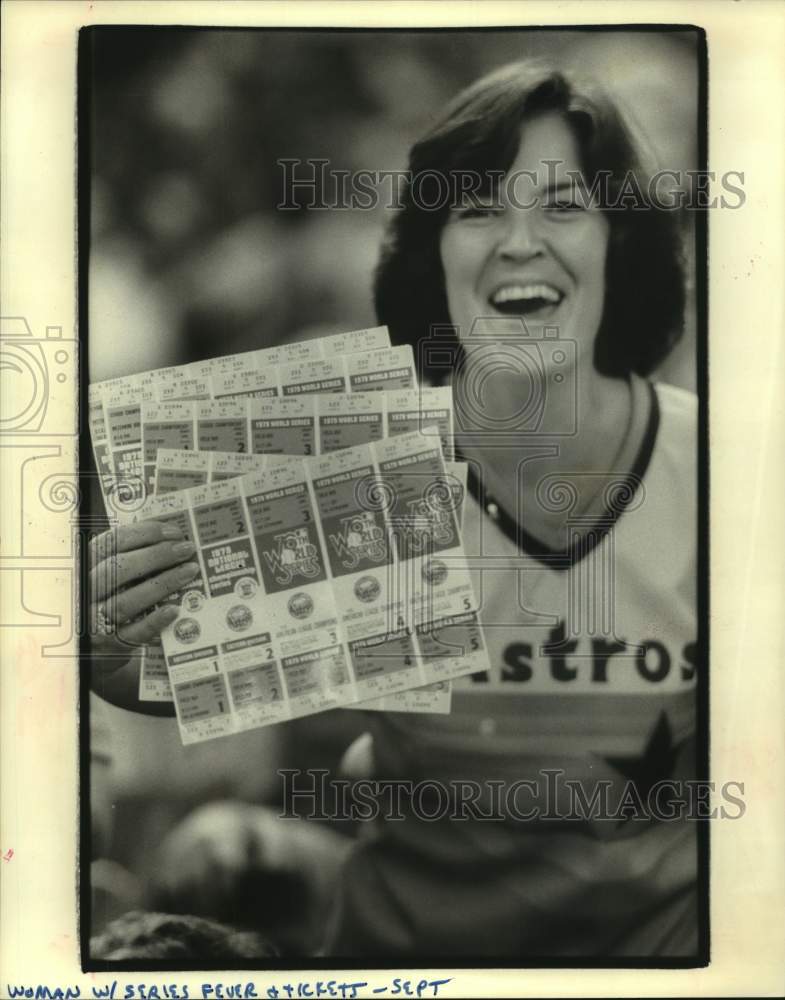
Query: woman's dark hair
(480, 132)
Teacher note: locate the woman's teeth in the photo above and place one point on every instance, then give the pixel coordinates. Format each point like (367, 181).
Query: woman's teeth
(523, 299)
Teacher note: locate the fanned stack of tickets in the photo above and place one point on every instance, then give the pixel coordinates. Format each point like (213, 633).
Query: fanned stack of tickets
(312, 479)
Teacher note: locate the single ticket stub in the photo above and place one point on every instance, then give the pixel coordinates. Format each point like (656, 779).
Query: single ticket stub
(428, 410)
(389, 368)
(344, 420)
(164, 425)
(189, 387)
(99, 439)
(154, 676)
(256, 383)
(369, 339)
(123, 422)
(179, 469)
(312, 595)
(435, 699)
(283, 426)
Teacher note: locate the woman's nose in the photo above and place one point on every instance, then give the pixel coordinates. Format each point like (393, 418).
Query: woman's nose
(519, 236)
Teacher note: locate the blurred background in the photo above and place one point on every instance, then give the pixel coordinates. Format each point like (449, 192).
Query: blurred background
(190, 258)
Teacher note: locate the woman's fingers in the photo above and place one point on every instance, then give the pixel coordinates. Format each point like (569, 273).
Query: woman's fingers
(129, 604)
(131, 536)
(153, 554)
(147, 629)
(114, 651)
(119, 571)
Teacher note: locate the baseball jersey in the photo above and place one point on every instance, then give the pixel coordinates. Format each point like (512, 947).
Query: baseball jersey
(592, 686)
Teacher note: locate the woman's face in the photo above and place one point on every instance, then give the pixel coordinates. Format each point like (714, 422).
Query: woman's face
(545, 263)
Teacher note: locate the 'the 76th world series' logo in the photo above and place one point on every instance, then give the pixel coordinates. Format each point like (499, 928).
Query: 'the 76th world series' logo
(438, 521)
(294, 555)
(359, 538)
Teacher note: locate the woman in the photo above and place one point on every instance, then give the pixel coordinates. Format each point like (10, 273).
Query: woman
(558, 297)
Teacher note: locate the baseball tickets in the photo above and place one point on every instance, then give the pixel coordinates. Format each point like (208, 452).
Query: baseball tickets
(179, 469)
(166, 440)
(298, 425)
(324, 582)
(136, 421)
(115, 405)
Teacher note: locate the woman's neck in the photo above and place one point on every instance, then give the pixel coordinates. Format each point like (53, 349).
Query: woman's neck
(581, 434)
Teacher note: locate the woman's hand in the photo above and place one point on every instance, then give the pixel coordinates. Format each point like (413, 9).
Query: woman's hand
(133, 568)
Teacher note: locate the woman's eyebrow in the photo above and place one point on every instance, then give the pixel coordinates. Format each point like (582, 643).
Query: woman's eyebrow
(566, 185)
(551, 187)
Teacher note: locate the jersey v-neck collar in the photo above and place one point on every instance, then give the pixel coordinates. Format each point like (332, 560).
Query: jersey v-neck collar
(563, 559)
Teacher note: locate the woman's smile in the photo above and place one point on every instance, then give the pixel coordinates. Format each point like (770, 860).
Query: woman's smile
(525, 298)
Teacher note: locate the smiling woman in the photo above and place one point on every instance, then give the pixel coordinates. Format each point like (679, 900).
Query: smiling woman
(592, 147)
(545, 307)
(542, 246)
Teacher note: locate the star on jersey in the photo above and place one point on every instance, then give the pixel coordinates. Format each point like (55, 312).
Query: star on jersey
(655, 764)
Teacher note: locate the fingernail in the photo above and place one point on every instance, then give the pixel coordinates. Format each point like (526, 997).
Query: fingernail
(169, 613)
(171, 531)
(184, 548)
(188, 570)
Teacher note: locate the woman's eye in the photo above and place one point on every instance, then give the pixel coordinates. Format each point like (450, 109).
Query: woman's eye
(569, 207)
(478, 211)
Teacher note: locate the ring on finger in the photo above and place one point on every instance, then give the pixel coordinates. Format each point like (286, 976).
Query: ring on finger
(103, 623)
